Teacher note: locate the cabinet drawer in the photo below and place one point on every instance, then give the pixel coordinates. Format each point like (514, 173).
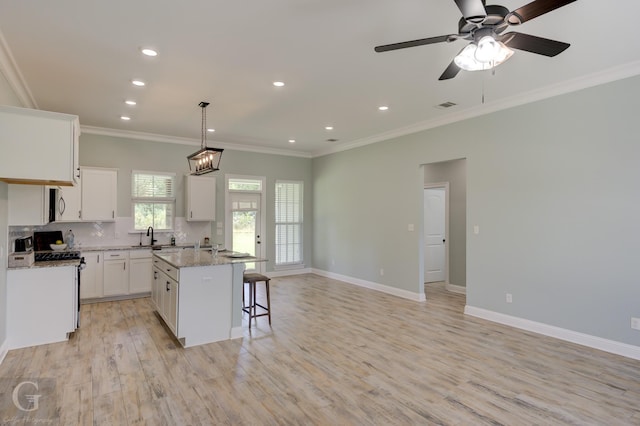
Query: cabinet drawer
(170, 270)
(140, 254)
(116, 255)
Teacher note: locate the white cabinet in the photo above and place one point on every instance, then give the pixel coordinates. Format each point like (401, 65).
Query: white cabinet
(38, 146)
(165, 293)
(116, 274)
(68, 204)
(140, 271)
(99, 194)
(28, 205)
(91, 277)
(41, 305)
(200, 198)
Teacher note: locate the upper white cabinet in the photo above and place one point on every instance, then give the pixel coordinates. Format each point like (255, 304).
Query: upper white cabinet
(38, 147)
(201, 198)
(28, 205)
(99, 194)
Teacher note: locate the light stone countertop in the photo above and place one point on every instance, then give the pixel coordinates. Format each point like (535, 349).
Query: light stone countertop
(189, 258)
(135, 247)
(49, 264)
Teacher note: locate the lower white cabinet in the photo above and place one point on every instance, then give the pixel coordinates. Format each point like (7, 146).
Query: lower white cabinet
(164, 294)
(91, 277)
(116, 273)
(41, 305)
(140, 268)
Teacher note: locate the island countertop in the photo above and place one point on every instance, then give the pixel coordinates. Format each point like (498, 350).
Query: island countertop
(189, 258)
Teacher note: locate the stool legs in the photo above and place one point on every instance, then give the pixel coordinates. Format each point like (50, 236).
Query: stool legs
(252, 307)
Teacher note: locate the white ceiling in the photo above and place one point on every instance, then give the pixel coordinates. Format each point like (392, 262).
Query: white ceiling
(79, 56)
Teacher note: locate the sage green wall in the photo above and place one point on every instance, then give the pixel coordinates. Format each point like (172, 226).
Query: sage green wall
(455, 173)
(552, 185)
(128, 154)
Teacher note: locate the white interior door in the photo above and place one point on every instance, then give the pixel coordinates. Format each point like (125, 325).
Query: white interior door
(435, 234)
(246, 225)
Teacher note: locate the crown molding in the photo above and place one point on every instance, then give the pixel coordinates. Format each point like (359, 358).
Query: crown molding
(609, 75)
(154, 137)
(11, 72)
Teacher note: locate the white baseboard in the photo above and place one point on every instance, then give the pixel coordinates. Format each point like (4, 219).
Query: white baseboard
(456, 288)
(287, 272)
(594, 342)
(236, 333)
(405, 294)
(4, 350)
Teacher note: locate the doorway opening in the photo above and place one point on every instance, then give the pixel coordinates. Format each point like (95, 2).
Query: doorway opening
(244, 196)
(444, 259)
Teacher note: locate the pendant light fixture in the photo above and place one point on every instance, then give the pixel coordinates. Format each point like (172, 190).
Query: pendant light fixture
(205, 160)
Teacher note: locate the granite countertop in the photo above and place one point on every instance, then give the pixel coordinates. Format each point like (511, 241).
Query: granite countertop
(136, 247)
(193, 258)
(49, 264)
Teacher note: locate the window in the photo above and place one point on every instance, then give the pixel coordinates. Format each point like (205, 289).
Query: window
(153, 200)
(288, 223)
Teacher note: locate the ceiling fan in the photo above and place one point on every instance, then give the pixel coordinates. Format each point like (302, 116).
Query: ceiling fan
(484, 26)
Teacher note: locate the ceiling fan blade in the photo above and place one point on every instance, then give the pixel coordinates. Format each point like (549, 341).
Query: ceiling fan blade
(534, 44)
(472, 10)
(451, 71)
(535, 9)
(412, 43)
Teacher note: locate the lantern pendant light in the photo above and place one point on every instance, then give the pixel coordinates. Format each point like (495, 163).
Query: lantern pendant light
(205, 160)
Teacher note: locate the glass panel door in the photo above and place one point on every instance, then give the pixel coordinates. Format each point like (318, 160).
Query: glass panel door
(245, 234)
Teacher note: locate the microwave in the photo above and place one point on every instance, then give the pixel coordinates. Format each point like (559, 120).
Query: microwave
(53, 204)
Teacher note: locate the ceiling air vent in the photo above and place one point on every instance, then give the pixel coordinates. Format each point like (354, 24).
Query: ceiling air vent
(332, 140)
(446, 105)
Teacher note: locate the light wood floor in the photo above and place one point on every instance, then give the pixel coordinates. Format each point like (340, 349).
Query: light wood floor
(337, 354)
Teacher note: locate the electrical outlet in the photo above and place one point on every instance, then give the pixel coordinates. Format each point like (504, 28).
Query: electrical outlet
(333, 262)
(410, 227)
(509, 298)
(381, 272)
(476, 229)
(635, 323)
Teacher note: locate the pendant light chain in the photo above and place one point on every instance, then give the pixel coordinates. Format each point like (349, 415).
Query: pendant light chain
(203, 143)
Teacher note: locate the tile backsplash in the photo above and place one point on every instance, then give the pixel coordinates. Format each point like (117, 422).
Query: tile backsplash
(118, 233)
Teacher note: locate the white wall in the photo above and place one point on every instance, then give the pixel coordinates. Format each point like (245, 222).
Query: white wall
(7, 97)
(552, 185)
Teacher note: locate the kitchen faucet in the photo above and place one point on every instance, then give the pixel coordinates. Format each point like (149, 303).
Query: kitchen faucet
(152, 239)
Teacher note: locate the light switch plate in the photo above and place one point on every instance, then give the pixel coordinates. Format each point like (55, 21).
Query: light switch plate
(410, 227)
(476, 229)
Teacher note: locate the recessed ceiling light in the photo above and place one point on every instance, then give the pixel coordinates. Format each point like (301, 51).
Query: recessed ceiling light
(125, 118)
(138, 83)
(149, 52)
(383, 108)
(278, 83)
(211, 130)
(329, 128)
(292, 141)
(130, 102)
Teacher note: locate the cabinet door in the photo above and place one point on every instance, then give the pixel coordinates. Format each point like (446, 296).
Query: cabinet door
(68, 204)
(99, 194)
(155, 288)
(140, 275)
(172, 308)
(201, 198)
(91, 277)
(53, 136)
(116, 277)
(28, 205)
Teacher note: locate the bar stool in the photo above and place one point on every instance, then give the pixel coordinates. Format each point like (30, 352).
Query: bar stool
(252, 307)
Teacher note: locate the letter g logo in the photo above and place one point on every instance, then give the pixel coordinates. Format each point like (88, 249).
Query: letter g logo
(31, 399)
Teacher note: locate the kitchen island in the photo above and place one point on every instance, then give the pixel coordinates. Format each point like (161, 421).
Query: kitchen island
(199, 295)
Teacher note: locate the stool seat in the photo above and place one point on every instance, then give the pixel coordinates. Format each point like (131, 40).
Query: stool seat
(252, 308)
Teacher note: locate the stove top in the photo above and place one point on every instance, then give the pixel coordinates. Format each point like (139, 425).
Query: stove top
(48, 256)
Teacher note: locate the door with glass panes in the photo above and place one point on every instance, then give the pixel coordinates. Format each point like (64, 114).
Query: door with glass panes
(245, 226)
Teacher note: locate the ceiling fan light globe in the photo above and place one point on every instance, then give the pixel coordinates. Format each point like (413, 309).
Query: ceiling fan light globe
(487, 49)
(466, 59)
